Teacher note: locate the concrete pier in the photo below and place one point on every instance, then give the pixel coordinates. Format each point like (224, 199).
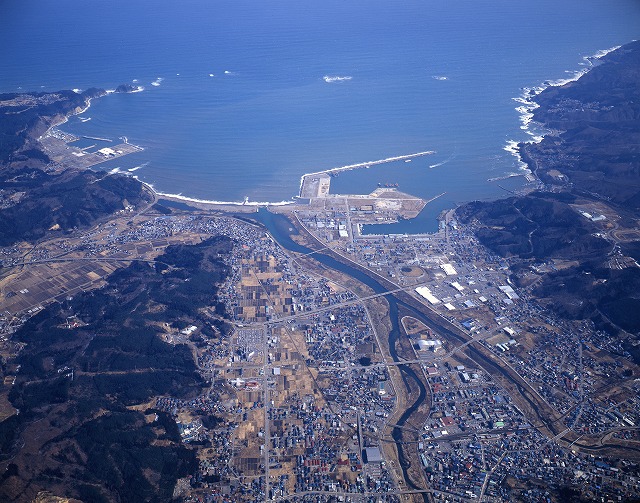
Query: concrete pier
(317, 184)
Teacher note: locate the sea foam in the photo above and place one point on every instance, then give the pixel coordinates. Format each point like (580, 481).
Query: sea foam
(246, 202)
(528, 104)
(131, 170)
(336, 78)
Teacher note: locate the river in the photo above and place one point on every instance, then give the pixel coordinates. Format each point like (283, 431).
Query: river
(281, 229)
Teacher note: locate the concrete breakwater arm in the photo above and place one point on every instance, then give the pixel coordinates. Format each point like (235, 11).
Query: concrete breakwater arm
(317, 184)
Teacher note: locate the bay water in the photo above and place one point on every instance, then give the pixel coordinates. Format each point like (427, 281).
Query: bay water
(241, 98)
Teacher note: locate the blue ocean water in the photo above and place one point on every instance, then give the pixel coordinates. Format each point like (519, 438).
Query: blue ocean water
(241, 108)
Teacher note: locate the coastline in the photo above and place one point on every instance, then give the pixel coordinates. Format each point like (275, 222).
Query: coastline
(208, 203)
(65, 117)
(528, 104)
(264, 204)
(202, 203)
(186, 199)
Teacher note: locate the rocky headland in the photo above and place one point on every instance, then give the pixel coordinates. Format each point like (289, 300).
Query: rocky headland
(576, 243)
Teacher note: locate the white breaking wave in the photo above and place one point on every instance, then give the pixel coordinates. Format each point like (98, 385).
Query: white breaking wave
(439, 77)
(115, 171)
(84, 119)
(512, 148)
(336, 78)
(530, 92)
(504, 177)
(528, 104)
(602, 53)
(535, 138)
(131, 170)
(211, 75)
(157, 82)
(77, 91)
(575, 75)
(246, 202)
(134, 80)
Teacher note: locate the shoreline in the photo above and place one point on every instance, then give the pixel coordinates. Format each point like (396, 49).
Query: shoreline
(181, 198)
(246, 203)
(528, 105)
(65, 118)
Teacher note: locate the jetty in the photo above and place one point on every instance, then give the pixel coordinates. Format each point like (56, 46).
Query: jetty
(317, 184)
(98, 138)
(59, 150)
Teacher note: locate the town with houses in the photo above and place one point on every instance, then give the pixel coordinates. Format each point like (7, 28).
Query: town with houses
(304, 390)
